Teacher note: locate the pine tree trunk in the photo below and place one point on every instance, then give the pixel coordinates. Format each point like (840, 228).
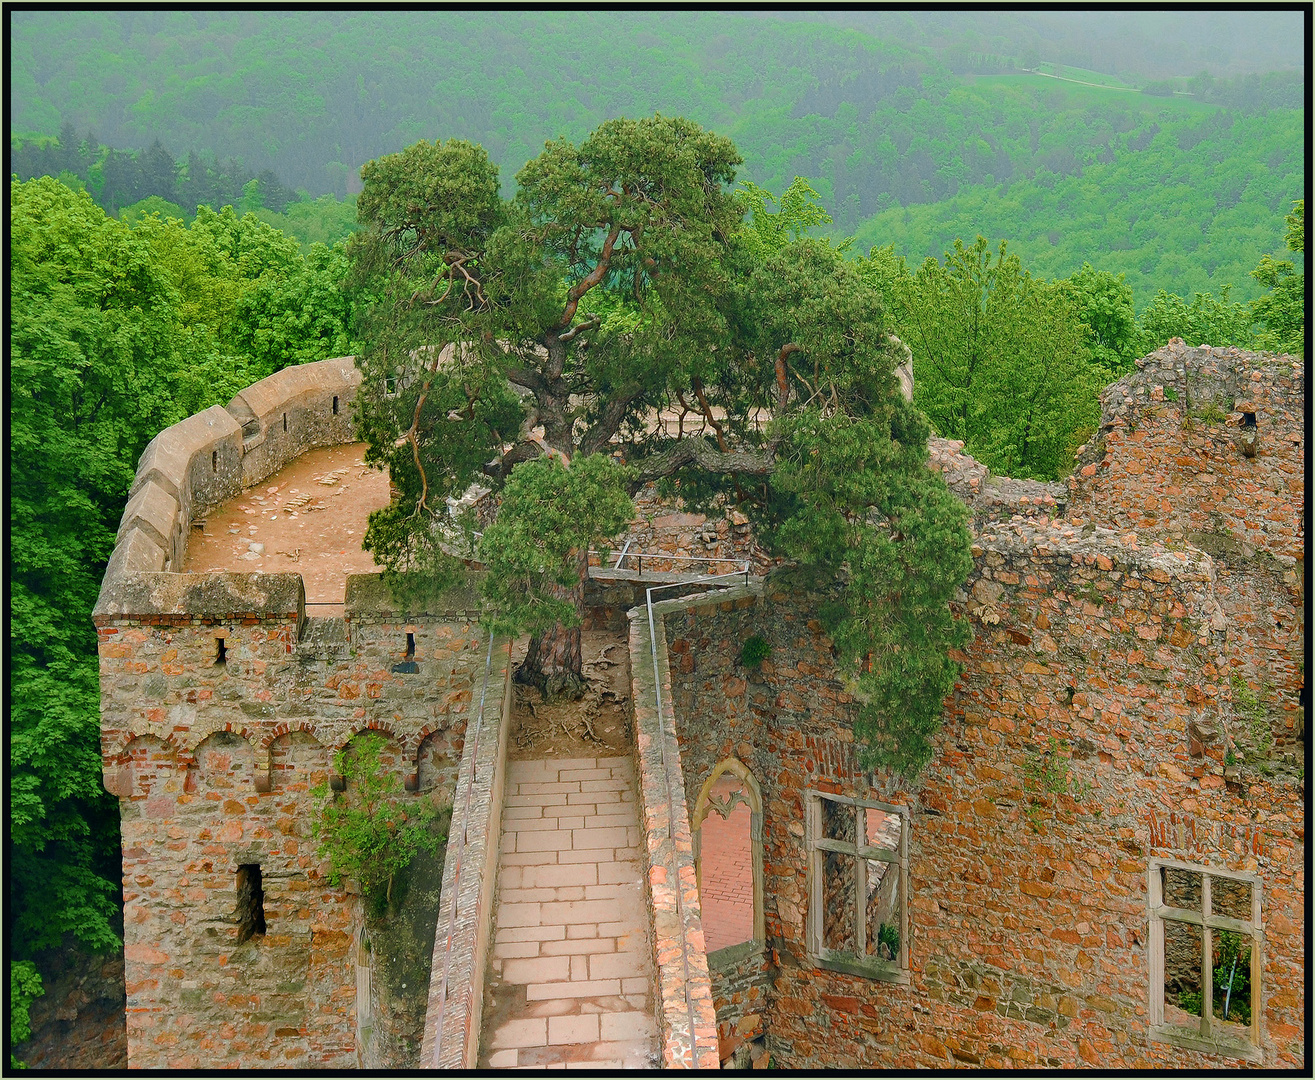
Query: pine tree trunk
(554, 662)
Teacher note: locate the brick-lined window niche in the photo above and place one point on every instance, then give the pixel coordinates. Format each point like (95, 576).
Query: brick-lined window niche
(250, 902)
(858, 886)
(727, 833)
(1206, 944)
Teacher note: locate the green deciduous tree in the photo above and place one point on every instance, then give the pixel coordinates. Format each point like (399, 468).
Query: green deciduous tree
(24, 988)
(90, 353)
(1207, 320)
(1282, 310)
(617, 307)
(365, 832)
(1104, 304)
(117, 331)
(1000, 359)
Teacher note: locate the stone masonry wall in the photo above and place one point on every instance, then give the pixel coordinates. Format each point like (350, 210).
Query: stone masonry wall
(213, 763)
(1176, 460)
(1028, 926)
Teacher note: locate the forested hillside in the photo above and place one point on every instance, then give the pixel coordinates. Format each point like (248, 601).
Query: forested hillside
(1178, 193)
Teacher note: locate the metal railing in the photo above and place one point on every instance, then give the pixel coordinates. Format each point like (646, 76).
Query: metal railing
(637, 558)
(666, 770)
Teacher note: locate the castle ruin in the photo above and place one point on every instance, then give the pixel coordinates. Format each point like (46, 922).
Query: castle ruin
(1118, 790)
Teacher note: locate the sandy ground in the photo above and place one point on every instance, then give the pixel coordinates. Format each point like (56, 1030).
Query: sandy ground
(309, 519)
(596, 725)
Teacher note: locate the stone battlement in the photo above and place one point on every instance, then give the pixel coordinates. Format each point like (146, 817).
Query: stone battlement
(200, 462)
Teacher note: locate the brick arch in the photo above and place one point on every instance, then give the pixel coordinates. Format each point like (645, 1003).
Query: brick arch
(373, 725)
(121, 756)
(286, 728)
(202, 732)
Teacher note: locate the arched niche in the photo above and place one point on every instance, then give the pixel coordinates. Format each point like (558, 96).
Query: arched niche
(225, 761)
(392, 756)
(151, 765)
(437, 760)
(297, 761)
(727, 833)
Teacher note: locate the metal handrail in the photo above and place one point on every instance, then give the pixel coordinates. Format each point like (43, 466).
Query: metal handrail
(621, 557)
(671, 806)
(461, 851)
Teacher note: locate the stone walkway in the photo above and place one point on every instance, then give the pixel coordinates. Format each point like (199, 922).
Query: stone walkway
(571, 974)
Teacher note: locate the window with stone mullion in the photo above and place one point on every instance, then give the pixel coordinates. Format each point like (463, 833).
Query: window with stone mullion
(847, 931)
(1194, 903)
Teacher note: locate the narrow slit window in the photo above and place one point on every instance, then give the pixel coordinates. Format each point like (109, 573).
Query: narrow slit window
(285, 421)
(335, 404)
(221, 651)
(214, 460)
(250, 902)
(410, 646)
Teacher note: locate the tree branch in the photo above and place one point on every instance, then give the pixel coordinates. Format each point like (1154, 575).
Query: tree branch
(610, 419)
(530, 379)
(589, 281)
(593, 322)
(696, 451)
(523, 451)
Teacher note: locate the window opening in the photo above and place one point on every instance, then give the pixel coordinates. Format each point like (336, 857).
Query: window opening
(214, 460)
(858, 886)
(1205, 958)
(250, 902)
(285, 421)
(221, 651)
(335, 404)
(1248, 419)
(410, 646)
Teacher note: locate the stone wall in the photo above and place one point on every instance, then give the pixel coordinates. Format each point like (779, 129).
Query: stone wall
(213, 761)
(687, 1022)
(1029, 922)
(1205, 447)
(460, 952)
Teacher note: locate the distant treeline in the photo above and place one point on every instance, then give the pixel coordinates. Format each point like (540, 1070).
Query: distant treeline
(1246, 93)
(119, 178)
(312, 96)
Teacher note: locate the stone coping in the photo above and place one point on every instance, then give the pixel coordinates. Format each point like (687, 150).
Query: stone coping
(136, 593)
(465, 909)
(1085, 544)
(687, 1021)
(368, 595)
(222, 595)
